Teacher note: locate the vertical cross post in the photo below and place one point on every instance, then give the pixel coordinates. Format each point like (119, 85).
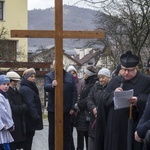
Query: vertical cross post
(59, 75)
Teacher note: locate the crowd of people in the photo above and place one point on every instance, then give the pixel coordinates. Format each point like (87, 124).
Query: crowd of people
(20, 110)
(88, 107)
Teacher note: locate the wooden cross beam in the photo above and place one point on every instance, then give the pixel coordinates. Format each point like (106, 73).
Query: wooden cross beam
(58, 35)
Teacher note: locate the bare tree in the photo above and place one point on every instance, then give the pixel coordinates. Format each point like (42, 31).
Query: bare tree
(3, 33)
(126, 24)
(8, 48)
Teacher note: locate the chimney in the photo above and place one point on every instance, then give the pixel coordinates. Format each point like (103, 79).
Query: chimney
(87, 50)
(81, 55)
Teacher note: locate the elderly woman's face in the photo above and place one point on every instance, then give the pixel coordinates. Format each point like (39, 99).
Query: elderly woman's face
(103, 79)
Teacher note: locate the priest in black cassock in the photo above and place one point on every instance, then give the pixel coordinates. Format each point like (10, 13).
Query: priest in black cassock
(112, 124)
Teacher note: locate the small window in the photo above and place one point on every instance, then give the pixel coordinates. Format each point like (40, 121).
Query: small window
(8, 50)
(1, 10)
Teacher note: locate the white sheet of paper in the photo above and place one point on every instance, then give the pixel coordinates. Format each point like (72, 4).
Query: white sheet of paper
(121, 98)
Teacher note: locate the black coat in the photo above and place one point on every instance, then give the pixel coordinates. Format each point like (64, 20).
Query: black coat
(19, 108)
(113, 124)
(144, 123)
(69, 91)
(92, 102)
(30, 96)
(83, 114)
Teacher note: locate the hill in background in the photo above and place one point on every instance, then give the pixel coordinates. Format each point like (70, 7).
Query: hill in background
(75, 18)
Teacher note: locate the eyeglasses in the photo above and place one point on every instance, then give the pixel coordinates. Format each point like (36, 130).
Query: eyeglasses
(128, 69)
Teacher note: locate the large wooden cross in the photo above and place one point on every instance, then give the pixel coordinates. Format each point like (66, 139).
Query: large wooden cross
(58, 34)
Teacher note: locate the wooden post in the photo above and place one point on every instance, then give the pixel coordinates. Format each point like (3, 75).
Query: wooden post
(59, 76)
(58, 34)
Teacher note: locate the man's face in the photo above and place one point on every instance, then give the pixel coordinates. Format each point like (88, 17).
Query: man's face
(128, 73)
(54, 64)
(14, 83)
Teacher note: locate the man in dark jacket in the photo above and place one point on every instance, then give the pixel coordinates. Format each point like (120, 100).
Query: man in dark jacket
(69, 99)
(116, 121)
(143, 128)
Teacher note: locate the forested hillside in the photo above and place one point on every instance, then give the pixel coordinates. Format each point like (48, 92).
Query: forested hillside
(75, 18)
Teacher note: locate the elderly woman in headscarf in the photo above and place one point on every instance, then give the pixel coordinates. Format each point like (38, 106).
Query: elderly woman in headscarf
(92, 102)
(90, 77)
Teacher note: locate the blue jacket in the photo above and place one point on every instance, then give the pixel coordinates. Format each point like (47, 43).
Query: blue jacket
(69, 91)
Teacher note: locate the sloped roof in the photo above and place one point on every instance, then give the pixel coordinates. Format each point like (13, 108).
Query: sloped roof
(45, 51)
(87, 57)
(73, 59)
(76, 59)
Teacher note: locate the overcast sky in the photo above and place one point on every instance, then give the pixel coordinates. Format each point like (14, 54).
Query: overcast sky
(50, 3)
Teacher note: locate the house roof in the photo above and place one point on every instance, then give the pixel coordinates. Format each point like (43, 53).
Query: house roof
(76, 59)
(45, 51)
(73, 59)
(87, 57)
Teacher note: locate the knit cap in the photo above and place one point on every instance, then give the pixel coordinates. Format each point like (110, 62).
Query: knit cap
(105, 72)
(28, 72)
(71, 68)
(90, 71)
(4, 79)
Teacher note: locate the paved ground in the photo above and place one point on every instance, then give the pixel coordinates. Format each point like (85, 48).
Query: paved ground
(40, 141)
